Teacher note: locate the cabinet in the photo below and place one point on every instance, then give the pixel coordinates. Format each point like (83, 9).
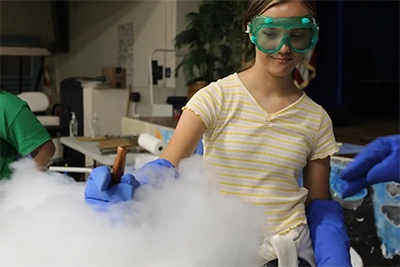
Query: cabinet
(110, 105)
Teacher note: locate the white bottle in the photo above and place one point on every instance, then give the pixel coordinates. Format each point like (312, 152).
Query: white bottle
(73, 125)
(95, 125)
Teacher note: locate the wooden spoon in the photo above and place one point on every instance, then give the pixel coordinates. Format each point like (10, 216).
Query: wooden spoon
(119, 165)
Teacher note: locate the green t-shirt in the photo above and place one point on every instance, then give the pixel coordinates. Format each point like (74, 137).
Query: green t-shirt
(20, 131)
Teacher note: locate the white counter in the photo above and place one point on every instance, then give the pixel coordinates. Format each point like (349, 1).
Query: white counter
(91, 150)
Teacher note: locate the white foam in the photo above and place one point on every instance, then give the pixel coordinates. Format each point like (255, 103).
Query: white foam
(356, 260)
(44, 221)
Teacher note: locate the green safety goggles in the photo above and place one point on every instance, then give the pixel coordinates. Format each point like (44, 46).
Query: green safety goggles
(270, 34)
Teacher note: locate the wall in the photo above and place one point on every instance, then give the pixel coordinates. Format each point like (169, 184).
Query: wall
(93, 31)
(358, 58)
(26, 18)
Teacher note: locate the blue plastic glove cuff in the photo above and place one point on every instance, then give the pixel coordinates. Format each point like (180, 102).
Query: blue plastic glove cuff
(328, 233)
(155, 172)
(162, 162)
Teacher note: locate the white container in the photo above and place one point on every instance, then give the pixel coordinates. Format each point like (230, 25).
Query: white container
(73, 125)
(95, 125)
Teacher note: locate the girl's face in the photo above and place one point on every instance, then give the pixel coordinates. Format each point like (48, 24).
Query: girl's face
(283, 61)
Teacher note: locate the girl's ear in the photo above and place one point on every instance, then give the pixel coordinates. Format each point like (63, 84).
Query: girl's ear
(248, 29)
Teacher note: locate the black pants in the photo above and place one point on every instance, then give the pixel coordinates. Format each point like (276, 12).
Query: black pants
(274, 263)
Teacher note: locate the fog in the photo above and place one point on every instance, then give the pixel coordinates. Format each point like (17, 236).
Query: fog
(44, 221)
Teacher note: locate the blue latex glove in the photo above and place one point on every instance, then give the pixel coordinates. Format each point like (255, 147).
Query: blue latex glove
(328, 233)
(199, 149)
(155, 172)
(379, 162)
(98, 190)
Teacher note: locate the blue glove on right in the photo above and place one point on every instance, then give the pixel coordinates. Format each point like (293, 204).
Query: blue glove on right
(379, 162)
(328, 233)
(98, 190)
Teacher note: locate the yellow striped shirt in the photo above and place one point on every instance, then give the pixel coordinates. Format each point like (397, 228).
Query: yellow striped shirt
(259, 156)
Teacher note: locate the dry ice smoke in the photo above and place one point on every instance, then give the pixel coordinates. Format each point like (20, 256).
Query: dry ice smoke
(44, 221)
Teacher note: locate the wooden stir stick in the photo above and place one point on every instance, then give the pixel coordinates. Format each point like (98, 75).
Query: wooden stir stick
(119, 165)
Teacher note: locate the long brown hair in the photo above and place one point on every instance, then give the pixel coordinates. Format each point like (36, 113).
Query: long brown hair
(257, 7)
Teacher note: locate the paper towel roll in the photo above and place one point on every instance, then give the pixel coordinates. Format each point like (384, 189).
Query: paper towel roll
(151, 143)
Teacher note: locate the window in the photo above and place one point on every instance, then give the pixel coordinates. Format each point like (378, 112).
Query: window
(19, 74)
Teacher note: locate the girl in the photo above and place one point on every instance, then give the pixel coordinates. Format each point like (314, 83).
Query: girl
(260, 132)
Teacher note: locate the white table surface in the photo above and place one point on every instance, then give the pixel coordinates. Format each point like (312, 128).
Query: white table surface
(91, 150)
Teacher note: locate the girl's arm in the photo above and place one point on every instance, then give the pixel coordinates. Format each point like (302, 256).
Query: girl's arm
(316, 179)
(325, 217)
(185, 139)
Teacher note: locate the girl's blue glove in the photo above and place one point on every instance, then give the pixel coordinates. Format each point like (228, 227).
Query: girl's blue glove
(328, 234)
(199, 149)
(379, 162)
(98, 190)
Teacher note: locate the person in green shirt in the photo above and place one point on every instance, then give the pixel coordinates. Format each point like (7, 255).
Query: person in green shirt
(21, 135)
